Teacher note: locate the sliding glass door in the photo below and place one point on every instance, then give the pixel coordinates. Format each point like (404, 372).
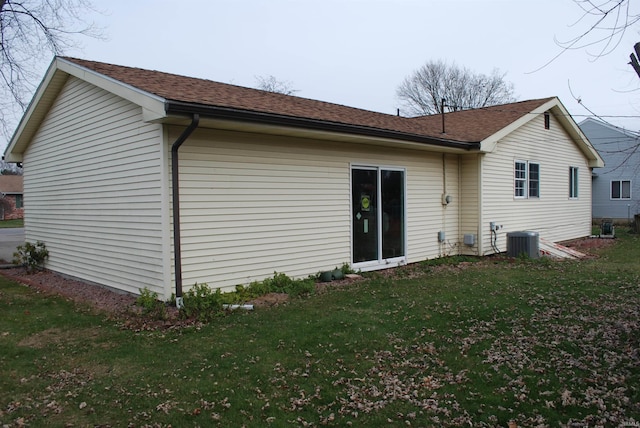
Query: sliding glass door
(378, 209)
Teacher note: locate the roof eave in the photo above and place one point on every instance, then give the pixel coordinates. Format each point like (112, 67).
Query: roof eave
(173, 107)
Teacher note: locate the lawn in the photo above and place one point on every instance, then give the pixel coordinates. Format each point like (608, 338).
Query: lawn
(540, 343)
(11, 223)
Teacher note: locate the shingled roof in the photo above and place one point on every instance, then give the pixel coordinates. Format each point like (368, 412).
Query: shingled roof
(467, 126)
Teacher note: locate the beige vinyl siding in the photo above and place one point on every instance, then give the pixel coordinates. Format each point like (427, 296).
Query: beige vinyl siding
(553, 215)
(254, 204)
(449, 214)
(93, 178)
(469, 200)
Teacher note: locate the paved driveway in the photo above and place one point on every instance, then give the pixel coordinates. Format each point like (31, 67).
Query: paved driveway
(9, 240)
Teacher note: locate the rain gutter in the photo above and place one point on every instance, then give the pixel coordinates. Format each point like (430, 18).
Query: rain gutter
(181, 108)
(175, 173)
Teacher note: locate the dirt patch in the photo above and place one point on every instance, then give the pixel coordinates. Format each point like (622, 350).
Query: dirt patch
(588, 245)
(57, 336)
(47, 282)
(268, 300)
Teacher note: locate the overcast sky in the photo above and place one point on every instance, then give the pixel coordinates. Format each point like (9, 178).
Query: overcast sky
(357, 52)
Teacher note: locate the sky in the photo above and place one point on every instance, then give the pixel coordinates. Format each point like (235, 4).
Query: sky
(357, 52)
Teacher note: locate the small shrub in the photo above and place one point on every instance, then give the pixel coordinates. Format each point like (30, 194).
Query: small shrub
(302, 287)
(257, 288)
(346, 269)
(31, 256)
(202, 303)
(151, 305)
(281, 283)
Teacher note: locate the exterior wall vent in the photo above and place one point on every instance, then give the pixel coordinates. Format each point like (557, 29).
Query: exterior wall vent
(523, 243)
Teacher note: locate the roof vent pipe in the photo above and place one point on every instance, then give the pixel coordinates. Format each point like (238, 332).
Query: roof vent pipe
(175, 188)
(442, 113)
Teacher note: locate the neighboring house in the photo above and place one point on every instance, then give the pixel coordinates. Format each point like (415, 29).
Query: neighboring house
(616, 187)
(170, 181)
(11, 202)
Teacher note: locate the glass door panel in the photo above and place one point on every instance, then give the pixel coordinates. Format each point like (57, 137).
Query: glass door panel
(364, 193)
(392, 186)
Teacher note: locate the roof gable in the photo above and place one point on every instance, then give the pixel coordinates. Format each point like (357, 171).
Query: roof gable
(478, 124)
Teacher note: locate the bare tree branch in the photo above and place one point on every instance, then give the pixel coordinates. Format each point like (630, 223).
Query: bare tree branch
(602, 24)
(423, 90)
(31, 33)
(271, 84)
(629, 152)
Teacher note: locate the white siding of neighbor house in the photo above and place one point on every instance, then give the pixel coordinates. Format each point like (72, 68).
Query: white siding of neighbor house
(553, 215)
(93, 182)
(252, 204)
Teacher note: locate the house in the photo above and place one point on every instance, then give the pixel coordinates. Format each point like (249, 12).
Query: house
(11, 202)
(170, 181)
(616, 187)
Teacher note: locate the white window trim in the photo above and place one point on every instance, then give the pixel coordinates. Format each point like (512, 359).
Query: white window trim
(381, 263)
(529, 179)
(525, 186)
(621, 198)
(526, 179)
(574, 181)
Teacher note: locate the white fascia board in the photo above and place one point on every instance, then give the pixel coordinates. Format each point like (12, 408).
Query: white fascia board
(572, 128)
(46, 92)
(152, 105)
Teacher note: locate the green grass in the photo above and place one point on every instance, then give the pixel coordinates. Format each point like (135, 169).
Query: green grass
(11, 223)
(439, 344)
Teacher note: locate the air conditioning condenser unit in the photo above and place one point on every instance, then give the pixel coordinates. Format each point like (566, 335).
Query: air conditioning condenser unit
(525, 243)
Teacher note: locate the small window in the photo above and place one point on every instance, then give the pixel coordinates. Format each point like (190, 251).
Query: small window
(573, 182)
(534, 180)
(526, 180)
(18, 201)
(547, 120)
(520, 179)
(621, 189)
